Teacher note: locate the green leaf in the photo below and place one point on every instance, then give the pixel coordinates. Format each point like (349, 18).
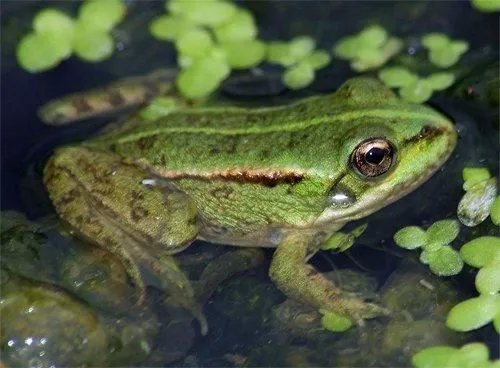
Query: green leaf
(440, 81)
(496, 323)
(102, 15)
(488, 278)
(347, 48)
(436, 357)
(202, 78)
(160, 106)
(302, 46)
(359, 230)
(298, 76)
(244, 55)
(92, 44)
(416, 92)
(473, 313)
(410, 237)
(443, 57)
(475, 205)
(53, 20)
(495, 211)
(396, 77)
(278, 52)
(195, 43)
(474, 175)
(481, 251)
(435, 40)
(203, 12)
(335, 322)
(445, 261)
(443, 232)
(486, 6)
(38, 52)
(373, 36)
(169, 28)
(339, 240)
(241, 27)
(474, 353)
(318, 59)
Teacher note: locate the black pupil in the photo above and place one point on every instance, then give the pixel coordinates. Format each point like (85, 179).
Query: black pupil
(375, 156)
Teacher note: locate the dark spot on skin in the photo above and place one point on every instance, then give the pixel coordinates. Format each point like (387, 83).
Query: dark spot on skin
(232, 147)
(81, 105)
(144, 143)
(115, 98)
(221, 192)
(137, 195)
(214, 151)
(137, 213)
(265, 154)
(427, 132)
(267, 178)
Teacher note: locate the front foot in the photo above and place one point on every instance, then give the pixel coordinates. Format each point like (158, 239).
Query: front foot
(303, 283)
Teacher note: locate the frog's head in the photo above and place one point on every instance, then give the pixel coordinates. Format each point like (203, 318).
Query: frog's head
(387, 152)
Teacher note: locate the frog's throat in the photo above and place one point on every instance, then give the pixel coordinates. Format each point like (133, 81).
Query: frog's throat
(385, 195)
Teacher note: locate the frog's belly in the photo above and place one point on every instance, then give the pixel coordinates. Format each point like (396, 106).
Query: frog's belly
(264, 237)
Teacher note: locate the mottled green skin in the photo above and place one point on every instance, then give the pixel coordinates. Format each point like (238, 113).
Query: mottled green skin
(313, 137)
(260, 177)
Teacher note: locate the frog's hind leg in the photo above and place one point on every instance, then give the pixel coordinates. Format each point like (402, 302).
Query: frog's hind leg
(105, 201)
(303, 283)
(115, 97)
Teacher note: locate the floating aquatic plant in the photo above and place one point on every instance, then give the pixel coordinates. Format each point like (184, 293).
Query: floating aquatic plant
(413, 88)
(479, 198)
(443, 51)
(369, 49)
(442, 259)
(56, 35)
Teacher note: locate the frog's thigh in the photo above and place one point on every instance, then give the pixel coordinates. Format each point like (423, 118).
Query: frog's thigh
(303, 283)
(106, 201)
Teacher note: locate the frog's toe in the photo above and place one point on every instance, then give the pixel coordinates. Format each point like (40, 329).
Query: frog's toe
(359, 310)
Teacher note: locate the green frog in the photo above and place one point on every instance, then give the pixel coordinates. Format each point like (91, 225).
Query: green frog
(285, 177)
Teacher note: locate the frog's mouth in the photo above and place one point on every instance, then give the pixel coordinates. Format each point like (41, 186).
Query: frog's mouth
(347, 205)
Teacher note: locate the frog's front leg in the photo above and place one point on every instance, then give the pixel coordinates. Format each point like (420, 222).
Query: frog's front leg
(302, 282)
(111, 204)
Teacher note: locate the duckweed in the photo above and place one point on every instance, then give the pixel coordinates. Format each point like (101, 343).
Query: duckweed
(486, 6)
(495, 211)
(169, 28)
(479, 198)
(442, 259)
(299, 76)
(369, 49)
(335, 322)
(56, 35)
(413, 88)
(158, 107)
(473, 313)
(101, 14)
(341, 241)
(241, 27)
(470, 355)
(443, 51)
(92, 44)
(480, 251)
(244, 55)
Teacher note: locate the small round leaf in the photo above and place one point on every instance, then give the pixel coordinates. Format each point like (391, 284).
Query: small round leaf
(473, 313)
(410, 237)
(443, 232)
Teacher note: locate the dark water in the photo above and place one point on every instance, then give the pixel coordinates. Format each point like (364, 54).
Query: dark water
(241, 314)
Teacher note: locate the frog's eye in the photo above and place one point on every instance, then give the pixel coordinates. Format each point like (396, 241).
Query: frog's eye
(373, 157)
